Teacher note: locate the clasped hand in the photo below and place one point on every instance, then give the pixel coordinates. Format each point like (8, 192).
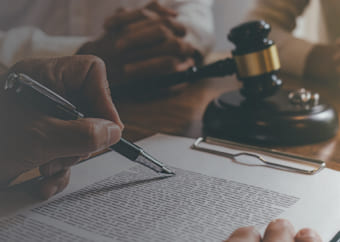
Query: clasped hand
(146, 42)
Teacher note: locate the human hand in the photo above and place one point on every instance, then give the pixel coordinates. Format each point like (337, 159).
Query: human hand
(142, 44)
(277, 231)
(31, 139)
(336, 58)
(323, 64)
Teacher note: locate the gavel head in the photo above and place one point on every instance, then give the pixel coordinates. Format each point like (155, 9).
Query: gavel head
(256, 59)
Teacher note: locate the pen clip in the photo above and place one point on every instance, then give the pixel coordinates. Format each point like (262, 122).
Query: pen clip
(18, 81)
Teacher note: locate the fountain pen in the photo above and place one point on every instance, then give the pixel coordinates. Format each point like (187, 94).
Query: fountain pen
(51, 103)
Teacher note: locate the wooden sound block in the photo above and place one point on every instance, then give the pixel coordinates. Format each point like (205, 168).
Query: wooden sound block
(271, 121)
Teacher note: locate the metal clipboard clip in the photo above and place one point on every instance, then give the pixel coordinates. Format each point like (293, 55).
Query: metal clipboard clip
(258, 156)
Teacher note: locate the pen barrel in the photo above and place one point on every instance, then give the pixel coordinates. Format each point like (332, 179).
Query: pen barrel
(46, 105)
(35, 95)
(127, 149)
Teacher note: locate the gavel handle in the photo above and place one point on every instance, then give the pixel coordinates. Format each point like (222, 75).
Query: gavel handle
(217, 69)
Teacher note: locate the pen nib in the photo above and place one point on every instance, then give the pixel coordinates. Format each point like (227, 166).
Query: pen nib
(152, 163)
(167, 171)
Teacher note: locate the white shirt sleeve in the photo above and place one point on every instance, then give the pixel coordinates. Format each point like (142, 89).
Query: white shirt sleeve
(197, 16)
(282, 15)
(19, 43)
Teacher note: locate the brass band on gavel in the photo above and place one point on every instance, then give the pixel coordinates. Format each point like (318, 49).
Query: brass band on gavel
(258, 63)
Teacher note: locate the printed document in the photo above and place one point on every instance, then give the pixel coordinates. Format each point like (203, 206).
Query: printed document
(112, 199)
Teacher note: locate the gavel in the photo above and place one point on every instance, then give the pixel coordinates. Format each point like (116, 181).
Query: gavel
(260, 112)
(255, 62)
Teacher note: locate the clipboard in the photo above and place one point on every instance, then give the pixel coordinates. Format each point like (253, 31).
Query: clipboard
(260, 156)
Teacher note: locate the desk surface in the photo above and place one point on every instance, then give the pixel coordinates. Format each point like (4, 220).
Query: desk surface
(180, 111)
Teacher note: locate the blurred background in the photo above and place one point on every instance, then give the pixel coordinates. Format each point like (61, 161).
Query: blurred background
(228, 13)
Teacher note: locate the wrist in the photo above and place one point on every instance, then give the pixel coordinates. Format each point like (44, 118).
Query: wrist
(87, 49)
(99, 47)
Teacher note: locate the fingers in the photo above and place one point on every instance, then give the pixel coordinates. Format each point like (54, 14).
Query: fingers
(125, 17)
(54, 184)
(53, 167)
(160, 9)
(56, 175)
(77, 138)
(81, 79)
(247, 234)
(174, 26)
(307, 235)
(156, 67)
(152, 35)
(85, 79)
(74, 140)
(279, 230)
(97, 91)
(173, 47)
(183, 66)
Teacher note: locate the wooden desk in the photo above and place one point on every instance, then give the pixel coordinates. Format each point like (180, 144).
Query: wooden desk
(179, 112)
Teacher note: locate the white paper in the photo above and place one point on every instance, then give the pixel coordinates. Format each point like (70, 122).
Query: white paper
(113, 199)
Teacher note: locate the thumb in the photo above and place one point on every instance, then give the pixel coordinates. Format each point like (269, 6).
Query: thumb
(78, 138)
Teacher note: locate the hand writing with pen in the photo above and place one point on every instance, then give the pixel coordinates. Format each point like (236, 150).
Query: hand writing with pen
(31, 139)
